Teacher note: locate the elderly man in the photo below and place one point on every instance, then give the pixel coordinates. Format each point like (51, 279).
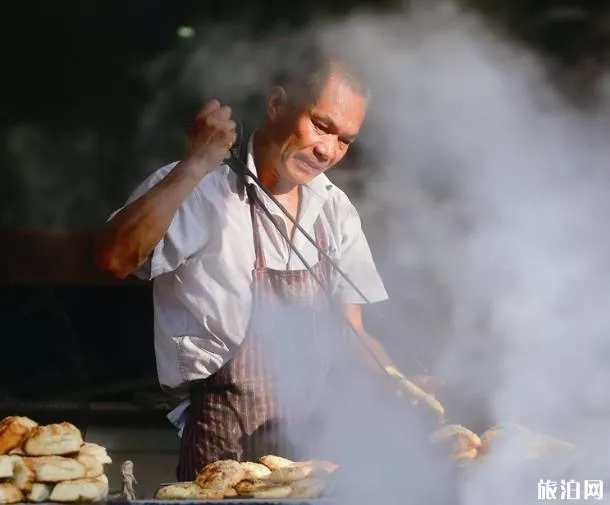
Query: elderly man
(217, 260)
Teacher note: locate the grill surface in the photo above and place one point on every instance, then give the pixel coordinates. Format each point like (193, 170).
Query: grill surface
(248, 501)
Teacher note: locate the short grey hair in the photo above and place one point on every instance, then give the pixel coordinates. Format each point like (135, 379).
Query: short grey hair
(305, 75)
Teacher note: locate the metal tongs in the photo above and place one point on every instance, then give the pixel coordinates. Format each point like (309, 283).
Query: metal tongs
(237, 165)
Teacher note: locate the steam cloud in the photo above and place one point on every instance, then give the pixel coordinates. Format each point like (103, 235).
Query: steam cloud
(492, 191)
(486, 199)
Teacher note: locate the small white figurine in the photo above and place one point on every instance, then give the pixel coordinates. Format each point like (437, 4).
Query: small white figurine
(129, 480)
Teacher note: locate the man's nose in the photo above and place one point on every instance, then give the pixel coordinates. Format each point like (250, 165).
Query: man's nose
(324, 150)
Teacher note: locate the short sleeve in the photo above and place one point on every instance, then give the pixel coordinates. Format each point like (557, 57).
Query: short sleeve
(186, 235)
(356, 261)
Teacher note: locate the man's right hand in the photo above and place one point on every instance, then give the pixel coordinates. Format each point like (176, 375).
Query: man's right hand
(209, 138)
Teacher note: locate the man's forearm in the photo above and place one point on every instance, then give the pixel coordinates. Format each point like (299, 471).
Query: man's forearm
(128, 238)
(374, 354)
(370, 350)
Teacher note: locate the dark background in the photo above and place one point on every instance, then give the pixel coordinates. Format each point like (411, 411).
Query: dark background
(75, 88)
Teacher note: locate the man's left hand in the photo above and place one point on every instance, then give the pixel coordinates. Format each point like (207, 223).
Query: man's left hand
(417, 395)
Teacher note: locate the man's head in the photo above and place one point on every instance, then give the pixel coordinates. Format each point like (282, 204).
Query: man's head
(314, 113)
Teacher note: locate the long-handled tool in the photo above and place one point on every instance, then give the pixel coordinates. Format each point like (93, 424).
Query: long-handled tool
(235, 162)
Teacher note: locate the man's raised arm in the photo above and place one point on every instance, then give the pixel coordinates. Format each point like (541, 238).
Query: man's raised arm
(127, 240)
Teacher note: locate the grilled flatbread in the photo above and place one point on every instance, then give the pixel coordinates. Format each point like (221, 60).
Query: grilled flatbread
(40, 492)
(308, 488)
(230, 493)
(292, 473)
(188, 491)
(6, 467)
(247, 486)
(17, 451)
(266, 493)
(255, 470)
(97, 451)
(93, 468)
(179, 491)
(221, 475)
(13, 431)
(10, 493)
(56, 468)
(53, 440)
(79, 490)
(275, 462)
(23, 475)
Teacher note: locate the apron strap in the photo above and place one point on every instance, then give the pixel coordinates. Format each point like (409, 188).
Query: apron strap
(259, 255)
(322, 241)
(321, 238)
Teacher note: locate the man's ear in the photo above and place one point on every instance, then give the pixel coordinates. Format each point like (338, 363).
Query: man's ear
(277, 103)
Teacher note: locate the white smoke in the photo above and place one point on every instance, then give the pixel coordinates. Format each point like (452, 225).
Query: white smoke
(499, 190)
(492, 192)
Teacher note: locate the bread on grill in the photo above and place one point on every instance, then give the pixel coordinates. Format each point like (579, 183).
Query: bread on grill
(230, 493)
(275, 462)
(97, 451)
(93, 468)
(56, 468)
(221, 475)
(255, 470)
(188, 491)
(40, 492)
(79, 490)
(53, 440)
(13, 431)
(6, 467)
(247, 486)
(272, 492)
(291, 473)
(23, 475)
(10, 493)
(178, 491)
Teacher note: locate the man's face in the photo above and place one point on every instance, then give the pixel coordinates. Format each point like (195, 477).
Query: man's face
(312, 139)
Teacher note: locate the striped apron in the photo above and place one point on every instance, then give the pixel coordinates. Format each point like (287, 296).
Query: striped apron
(237, 413)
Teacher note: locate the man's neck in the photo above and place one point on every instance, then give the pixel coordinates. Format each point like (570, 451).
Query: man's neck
(266, 169)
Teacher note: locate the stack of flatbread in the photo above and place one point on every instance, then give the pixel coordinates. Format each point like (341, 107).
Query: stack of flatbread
(49, 463)
(270, 477)
(463, 445)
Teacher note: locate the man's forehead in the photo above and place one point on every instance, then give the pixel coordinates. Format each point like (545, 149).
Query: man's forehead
(341, 104)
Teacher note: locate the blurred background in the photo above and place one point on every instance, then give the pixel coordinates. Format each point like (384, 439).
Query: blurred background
(93, 100)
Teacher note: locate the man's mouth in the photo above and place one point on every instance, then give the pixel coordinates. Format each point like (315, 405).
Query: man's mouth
(308, 166)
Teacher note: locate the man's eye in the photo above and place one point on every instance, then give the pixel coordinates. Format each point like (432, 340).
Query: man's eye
(320, 126)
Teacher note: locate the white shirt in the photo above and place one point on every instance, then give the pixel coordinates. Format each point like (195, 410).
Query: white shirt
(202, 268)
